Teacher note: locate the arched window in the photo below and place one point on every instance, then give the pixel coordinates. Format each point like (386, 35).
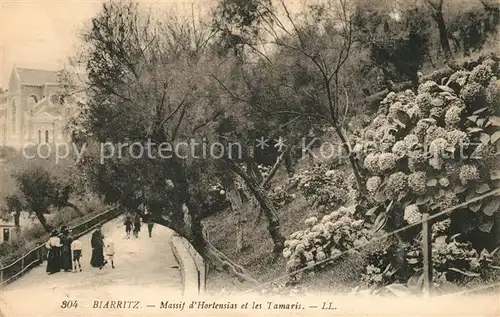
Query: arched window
(14, 111)
(46, 136)
(32, 100)
(39, 136)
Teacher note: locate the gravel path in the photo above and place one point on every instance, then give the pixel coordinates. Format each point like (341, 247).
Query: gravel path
(145, 270)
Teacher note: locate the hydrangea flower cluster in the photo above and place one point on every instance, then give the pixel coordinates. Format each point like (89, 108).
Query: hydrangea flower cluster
(323, 187)
(280, 196)
(325, 239)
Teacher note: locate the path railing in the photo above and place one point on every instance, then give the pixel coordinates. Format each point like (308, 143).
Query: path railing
(36, 256)
(190, 260)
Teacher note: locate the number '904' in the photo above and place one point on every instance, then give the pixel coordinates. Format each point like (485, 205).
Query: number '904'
(69, 304)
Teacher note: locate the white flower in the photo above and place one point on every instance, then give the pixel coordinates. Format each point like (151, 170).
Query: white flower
(311, 221)
(453, 116)
(371, 162)
(468, 173)
(373, 183)
(412, 214)
(443, 181)
(386, 162)
(399, 149)
(286, 253)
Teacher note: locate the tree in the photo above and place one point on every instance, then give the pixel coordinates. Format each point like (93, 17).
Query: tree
(41, 191)
(237, 23)
(312, 51)
(472, 24)
(15, 204)
(436, 7)
(398, 43)
(147, 87)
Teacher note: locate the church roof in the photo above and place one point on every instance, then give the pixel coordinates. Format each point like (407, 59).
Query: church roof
(37, 77)
(40, 77)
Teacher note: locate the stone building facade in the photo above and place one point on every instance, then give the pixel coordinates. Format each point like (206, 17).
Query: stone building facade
(36, 108)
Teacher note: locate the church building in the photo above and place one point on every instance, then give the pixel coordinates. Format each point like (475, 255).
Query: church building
(36, 107)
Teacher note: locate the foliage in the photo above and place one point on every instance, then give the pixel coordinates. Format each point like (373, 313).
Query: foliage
(397, 46)
(452, 261)
(325, 240)
(41, 190)
(434, 149)
(149, 84)
(471, 27)
(280, 196)
(323, 187)
(238, 23)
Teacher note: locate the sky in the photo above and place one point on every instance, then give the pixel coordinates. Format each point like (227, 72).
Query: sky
(43, 33)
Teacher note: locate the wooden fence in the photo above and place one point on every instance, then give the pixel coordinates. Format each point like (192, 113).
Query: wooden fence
(35, 257)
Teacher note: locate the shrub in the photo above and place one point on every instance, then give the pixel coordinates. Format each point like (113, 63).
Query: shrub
(321, 186)
(327, 238)
(435, 149)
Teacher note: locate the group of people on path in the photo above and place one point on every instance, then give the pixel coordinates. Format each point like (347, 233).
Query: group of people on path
(136, 225)
(64, 252)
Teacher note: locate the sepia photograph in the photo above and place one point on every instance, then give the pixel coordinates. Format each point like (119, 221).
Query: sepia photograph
(249, 158)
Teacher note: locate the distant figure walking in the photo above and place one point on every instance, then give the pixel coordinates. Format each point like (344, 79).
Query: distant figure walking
(137, 225)
(128, 227)
(110, 250)
(66, 239)
(77, 247)
(149, 220)
(97, 244)
(54, 253)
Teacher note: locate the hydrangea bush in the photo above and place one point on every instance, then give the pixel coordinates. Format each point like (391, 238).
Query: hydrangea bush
(280, 196)
(452, 261)
(325, 239)
(324, 188)
(427, 152)
(435, 149)
(423, 152)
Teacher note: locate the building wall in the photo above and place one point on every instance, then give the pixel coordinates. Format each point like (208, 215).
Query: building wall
(18, 126)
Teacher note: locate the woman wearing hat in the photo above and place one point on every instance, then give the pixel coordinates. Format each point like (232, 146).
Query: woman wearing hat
(66, 260)
(54, 254)
(97, 243)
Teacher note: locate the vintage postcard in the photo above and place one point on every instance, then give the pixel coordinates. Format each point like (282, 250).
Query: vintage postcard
(249, 158)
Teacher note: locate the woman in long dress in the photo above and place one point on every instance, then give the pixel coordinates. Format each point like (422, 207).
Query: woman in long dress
(97, 244)
(137, 225)
(54, 253)
(66, 261)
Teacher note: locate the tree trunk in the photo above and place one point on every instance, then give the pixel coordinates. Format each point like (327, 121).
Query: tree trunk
(443, 34)
(352, 160)
(41, 217)
(266, 206)
(237, 207)
(197, 239)
(75, 208)
(17, 215)
(289, 165)
(218, 258)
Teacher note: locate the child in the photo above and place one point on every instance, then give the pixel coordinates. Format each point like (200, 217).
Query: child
(110, 250)
(76, 246)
